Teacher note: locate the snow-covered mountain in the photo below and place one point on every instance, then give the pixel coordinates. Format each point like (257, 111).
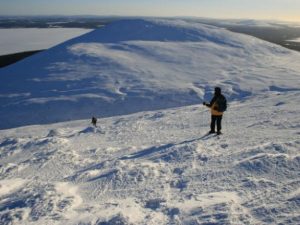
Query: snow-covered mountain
(158, 166)
(137, 65)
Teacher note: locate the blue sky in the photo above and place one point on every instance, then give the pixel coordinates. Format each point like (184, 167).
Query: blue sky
(251, 9)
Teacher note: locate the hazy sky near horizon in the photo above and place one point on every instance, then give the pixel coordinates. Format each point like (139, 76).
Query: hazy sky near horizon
(288, 10)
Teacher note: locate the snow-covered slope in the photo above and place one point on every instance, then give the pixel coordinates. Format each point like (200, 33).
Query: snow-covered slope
(136, 65)
(157, 167)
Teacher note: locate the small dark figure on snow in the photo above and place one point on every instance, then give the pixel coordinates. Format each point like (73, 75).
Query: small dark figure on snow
(94, 121)
(218, 106)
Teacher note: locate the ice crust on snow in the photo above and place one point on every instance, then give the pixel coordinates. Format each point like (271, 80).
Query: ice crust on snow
(137, 65)
(157, 166)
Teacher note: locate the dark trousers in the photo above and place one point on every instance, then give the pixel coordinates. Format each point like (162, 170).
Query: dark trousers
(214, 120)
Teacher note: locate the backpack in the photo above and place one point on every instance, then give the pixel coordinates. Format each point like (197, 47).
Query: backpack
(222, 104)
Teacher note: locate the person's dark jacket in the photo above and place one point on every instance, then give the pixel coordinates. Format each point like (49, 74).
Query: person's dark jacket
(214, 106)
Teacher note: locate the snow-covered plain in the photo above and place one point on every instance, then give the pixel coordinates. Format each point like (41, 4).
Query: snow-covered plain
(29, 39)
(295, 40)
(151, 167)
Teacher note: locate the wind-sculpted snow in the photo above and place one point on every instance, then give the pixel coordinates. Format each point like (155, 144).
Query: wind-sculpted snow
(157, 167)
(137, 65)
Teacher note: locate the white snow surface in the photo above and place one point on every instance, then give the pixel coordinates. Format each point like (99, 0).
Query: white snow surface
(157, 165)
(29, 39)
(137, 65)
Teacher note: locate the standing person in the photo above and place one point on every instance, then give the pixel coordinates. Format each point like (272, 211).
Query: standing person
(94, 121)
(218, 106)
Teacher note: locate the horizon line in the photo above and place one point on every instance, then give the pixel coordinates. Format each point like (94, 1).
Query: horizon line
(139, 16)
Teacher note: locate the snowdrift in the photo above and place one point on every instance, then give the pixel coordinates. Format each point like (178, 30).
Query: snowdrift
(137, 65)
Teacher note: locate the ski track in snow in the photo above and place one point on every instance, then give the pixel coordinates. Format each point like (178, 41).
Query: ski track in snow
(157, 168)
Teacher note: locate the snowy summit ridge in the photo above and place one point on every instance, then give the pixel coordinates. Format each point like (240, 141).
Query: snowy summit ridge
(136, 65)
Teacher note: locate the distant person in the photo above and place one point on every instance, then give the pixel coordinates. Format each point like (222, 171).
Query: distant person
(218, 106)
(94, 121)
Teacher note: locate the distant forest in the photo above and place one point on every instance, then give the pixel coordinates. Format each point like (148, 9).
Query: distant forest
(275, 35)
(54, 22)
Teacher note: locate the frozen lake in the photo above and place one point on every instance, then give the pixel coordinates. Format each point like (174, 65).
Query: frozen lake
(28, 39)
